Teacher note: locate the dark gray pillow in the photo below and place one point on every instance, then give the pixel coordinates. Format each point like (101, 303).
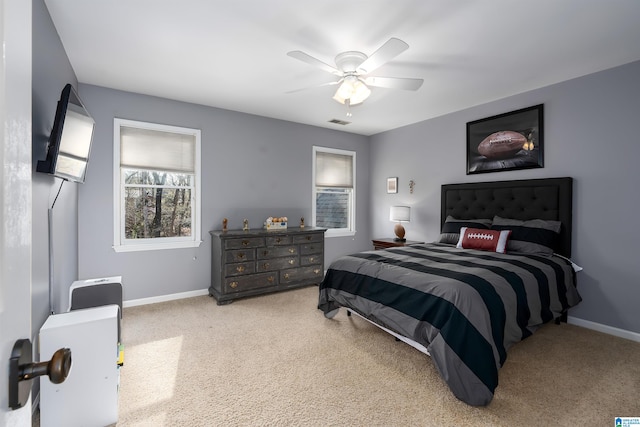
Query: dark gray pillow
(535, 236)
(451, 228)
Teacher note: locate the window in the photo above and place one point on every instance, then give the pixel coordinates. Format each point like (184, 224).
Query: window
(156, 186)
(334, 191)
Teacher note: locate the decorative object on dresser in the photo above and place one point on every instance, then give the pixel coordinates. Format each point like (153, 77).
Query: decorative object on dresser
(391, 243)
(399, 214)
(256, 262)
(276, 223)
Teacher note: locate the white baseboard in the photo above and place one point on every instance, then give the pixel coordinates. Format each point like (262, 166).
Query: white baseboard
(163, 298)
(622, 333)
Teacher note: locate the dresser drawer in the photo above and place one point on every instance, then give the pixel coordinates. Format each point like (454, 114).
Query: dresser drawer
(276, 264)
(244, 242)
(240, 255)
(239, 268)
(311, 248)
(277, 252)
(311, 259)
(278, 240)
(293, 275)
(307, 238)
(254, 281)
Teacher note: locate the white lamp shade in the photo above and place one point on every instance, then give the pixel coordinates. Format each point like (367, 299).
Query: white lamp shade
(360, 93)
(352, 89)
(400, 213)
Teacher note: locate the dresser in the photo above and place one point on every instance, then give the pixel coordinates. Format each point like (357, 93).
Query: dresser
(255, 262)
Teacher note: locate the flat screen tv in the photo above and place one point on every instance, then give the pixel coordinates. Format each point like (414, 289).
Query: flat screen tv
(70, 140)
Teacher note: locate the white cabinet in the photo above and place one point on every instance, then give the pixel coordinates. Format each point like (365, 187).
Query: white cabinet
(89, 395)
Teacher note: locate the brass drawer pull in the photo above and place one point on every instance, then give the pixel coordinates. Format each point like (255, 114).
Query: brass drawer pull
(292, 261)
(265, 253)
(265, 266)
(286, 276)
(308, 237)
(233, 285)
(278, 240)
(316, 271)
(270, 279)
(311, 259)
(240, 255)
(245, 243)
(292, 250)
(240, 268)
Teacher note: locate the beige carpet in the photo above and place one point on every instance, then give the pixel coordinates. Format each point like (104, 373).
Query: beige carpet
(276, 361)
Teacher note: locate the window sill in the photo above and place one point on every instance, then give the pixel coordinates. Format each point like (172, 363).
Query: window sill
(339, 233)
(156, 246)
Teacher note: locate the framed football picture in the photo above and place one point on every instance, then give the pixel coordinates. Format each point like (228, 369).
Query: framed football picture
(507, 141)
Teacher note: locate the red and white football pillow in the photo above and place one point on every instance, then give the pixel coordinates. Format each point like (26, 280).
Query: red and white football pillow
(484, 240)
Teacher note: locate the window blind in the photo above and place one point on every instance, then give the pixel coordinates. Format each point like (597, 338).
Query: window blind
(334, 170)
(157, 150)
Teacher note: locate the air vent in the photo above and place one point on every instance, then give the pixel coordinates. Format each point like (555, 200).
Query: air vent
(339, 122)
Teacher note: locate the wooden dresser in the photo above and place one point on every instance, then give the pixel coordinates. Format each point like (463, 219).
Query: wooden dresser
(255, 262)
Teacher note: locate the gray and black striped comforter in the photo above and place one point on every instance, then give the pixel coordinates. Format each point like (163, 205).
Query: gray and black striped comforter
(466, 307)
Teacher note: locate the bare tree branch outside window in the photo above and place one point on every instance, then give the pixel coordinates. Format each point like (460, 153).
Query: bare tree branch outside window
(157, 204)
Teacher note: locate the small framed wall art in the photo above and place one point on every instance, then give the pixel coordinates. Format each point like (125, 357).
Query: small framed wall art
(508, 141)
(392, 184)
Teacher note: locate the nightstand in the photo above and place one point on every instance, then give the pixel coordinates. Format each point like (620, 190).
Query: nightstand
(391, 243)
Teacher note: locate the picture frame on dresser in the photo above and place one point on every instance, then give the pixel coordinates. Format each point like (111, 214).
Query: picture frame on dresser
(508, 141)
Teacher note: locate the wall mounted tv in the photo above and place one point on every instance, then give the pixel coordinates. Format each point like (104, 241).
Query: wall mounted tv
(70, 140)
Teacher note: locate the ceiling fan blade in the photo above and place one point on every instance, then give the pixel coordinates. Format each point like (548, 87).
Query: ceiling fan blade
(313, 87)
(394, 82)
(392, 48)
(298, 54)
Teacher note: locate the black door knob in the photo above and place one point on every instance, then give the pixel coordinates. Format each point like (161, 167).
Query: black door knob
(22, 370)
(57, 369)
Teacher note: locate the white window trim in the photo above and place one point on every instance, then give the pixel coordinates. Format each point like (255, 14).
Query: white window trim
(166, 242)
(334, 232)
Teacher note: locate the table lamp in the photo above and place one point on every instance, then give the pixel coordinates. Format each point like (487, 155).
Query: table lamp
(399, 214)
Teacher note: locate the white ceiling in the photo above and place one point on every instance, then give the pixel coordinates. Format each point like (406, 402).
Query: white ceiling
(232, 54)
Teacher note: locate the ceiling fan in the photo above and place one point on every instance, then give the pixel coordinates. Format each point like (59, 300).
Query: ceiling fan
(353, 70)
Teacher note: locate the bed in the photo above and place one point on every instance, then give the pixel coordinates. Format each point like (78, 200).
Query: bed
(463, 306)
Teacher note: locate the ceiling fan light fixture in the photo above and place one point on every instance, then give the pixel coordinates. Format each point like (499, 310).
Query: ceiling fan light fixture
(352, 89)
(361, 93)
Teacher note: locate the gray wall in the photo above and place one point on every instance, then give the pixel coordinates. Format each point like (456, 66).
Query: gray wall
(252, 167)
(591, 134)
(51, 72)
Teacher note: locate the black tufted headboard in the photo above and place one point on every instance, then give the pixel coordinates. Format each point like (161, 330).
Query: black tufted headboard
(548, 198)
